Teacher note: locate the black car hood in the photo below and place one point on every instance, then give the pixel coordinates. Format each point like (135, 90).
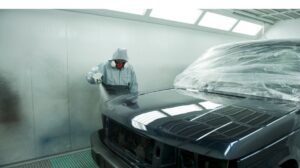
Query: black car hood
(223, 127)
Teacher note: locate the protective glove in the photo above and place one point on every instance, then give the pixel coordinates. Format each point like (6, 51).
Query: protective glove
(97, 78)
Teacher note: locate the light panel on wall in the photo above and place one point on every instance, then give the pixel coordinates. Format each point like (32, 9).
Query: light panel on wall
(248, 28)
(135, 11)
(217, 21)
(182, 15)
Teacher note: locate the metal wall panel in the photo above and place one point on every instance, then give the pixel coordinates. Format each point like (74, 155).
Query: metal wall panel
(16, 114)
(84, 98)
(34, 66)
(49, 84)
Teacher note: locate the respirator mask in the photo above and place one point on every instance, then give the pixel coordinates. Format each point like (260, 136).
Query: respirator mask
(119, 64)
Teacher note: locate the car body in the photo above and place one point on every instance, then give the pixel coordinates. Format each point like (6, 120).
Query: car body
(192, 127)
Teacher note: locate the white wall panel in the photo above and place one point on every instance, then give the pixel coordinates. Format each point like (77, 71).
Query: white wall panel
(284, 29)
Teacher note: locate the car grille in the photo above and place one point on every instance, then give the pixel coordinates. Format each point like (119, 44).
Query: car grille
(129, 143)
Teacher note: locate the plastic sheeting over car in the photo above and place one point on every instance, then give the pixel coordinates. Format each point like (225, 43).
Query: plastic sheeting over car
(269, 68)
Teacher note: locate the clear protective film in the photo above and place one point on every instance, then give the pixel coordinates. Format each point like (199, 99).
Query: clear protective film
(268, 68)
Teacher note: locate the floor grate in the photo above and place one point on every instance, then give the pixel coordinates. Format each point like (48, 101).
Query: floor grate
(82, 159)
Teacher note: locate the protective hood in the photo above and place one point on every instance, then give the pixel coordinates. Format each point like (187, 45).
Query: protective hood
(120, 53)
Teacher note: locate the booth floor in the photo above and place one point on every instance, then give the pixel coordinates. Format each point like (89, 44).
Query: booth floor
(82, 159)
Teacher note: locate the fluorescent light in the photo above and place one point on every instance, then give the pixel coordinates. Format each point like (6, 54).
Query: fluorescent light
(217, 21)
(182, 109)
(185, 16)
(209, 105)
(140, 121)
(136, 11)
(248, 28)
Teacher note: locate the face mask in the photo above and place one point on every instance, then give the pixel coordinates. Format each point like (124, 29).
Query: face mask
(119, 66)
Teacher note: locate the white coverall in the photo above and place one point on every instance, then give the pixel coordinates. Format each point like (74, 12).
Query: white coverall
(114, 77)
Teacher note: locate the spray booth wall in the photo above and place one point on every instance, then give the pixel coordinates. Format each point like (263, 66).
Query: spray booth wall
(46, 106)
(284, 29)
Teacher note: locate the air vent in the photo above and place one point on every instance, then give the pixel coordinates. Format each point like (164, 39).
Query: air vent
(186, 129)
(208, 117)
(260, 119)
(235, 131)
(243, 121)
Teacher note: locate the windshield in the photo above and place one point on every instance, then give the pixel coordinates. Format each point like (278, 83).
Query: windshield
(269, 68)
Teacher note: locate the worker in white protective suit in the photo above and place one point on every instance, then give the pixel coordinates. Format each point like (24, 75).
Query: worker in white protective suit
(116, 74)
